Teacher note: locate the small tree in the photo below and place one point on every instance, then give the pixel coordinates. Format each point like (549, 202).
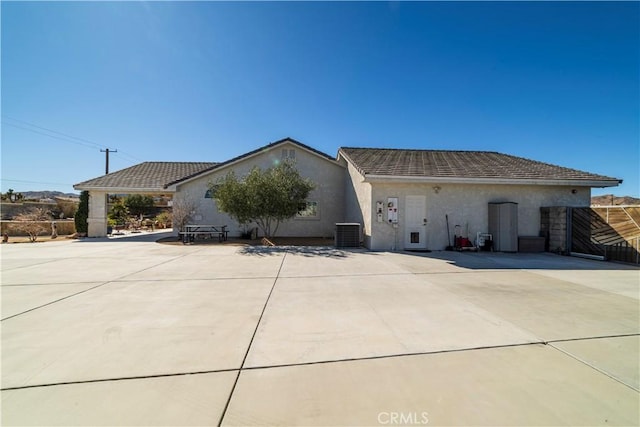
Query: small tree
(82, 214)
(183, 210)
(31, 222)
(265, 197)
(138, 204)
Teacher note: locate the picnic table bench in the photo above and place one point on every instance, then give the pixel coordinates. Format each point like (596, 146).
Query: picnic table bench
(193, 231)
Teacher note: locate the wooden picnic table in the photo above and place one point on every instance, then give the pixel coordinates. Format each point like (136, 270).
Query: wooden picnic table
(192, 231)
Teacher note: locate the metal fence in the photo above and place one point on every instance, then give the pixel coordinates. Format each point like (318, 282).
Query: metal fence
(624, 251)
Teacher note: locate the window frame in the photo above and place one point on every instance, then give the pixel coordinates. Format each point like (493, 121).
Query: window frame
(316, 215)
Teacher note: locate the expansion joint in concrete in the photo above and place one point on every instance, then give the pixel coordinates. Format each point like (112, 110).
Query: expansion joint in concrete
(255, 331)
(591, 365)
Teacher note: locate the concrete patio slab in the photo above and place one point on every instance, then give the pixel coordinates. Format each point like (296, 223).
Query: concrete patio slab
(74, 270)
(549, 308)
(618, 357)
(12, 263)
(123, 330)
(21, 298)
(215, 262)
(51, 250)
(184, 400)
(513, 386)
(321, 319)
(514, 261)
(430, 262)
(538, 261)
(625, 282)
(162, 342)
(335, 263)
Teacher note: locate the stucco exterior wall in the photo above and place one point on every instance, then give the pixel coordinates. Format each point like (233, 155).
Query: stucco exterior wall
(357, 196)
(467, 206)
(327, 175)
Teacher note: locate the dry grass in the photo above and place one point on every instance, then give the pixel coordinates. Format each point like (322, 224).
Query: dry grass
(64, 227)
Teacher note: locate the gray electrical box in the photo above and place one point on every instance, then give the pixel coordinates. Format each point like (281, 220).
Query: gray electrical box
(503, 225)
(347, 235)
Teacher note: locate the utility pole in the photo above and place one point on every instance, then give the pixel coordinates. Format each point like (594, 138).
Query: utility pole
(107, 151)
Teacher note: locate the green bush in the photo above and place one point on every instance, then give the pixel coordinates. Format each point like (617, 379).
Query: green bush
(119, 213)
(164, 219)
(138, 204)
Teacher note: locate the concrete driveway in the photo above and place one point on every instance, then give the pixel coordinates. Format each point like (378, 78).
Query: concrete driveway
(130, 332)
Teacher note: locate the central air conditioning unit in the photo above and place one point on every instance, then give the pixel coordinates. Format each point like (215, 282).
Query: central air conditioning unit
(347, 235)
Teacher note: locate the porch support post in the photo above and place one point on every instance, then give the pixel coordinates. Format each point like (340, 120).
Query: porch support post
(97, 220)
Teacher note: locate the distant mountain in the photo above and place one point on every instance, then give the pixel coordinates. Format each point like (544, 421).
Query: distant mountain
(610, 199)
(47, 195)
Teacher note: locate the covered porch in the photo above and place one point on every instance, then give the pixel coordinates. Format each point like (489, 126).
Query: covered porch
(148, 178)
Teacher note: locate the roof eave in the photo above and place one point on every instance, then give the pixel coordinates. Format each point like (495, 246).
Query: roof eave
(225, 165)
(123, 190)
(503, 181)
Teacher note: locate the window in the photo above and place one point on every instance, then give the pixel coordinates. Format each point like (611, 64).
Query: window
(211, 192)
(308, 210)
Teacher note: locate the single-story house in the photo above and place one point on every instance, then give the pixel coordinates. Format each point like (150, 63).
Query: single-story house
(403, 199)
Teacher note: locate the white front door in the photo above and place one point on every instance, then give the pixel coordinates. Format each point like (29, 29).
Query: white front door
(415, 222)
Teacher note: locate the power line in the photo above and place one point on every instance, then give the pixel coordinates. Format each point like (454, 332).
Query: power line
(130, 159)
(22, 181)
(46, 134)
(52, 131)
(135, 159)
(65, 137)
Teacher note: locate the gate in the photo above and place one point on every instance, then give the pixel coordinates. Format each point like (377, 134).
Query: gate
(610, 233)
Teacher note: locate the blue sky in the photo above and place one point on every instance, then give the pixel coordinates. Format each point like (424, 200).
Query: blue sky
(206, 81)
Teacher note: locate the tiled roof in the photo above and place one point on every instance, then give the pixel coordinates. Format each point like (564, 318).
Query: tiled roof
(459, 164)
(160, 175)
(148, 175)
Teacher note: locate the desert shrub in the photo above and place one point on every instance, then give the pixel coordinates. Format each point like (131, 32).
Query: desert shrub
(164, 219)
(184, 208)
(13, 228)
(31, 222)
(65, 208)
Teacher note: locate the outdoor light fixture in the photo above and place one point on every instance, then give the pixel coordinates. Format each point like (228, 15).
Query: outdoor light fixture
(436, 189)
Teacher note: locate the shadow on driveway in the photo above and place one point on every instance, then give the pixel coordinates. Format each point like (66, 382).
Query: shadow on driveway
(520, 261)
(307, 251)
(144, 236)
